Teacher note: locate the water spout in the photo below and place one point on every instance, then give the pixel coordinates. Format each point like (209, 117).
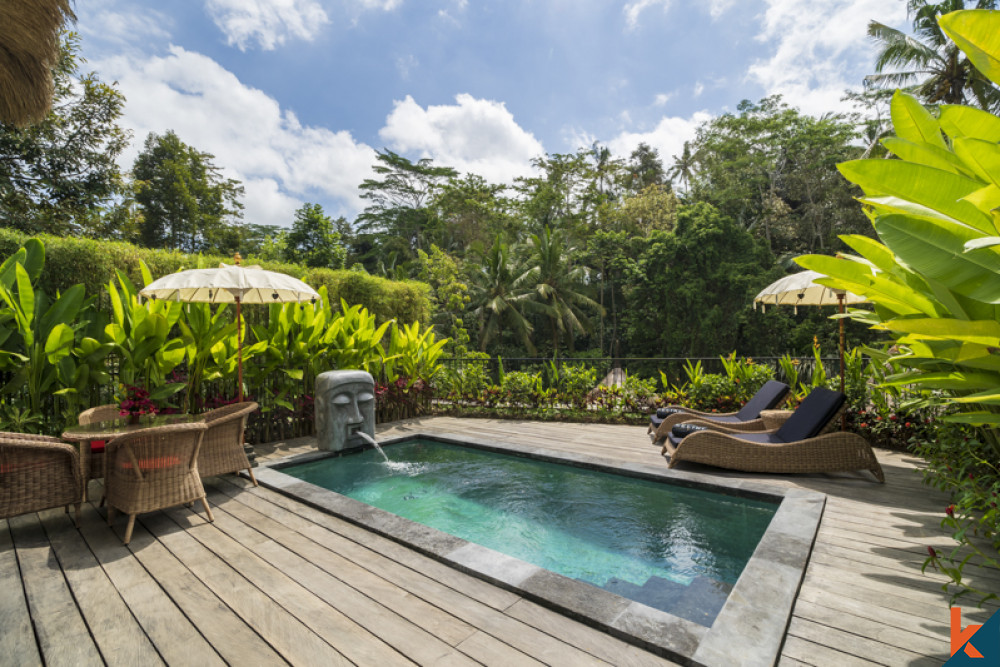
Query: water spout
(371, 440)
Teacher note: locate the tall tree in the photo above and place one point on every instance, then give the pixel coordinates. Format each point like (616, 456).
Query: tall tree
(56, 173)
(772, 170)
(398, 218)
(558, 282)
(470, 210)
(683, 167)
(498, 297)
(644, 168)
(313, 241)
(929, 65)
(184, 200)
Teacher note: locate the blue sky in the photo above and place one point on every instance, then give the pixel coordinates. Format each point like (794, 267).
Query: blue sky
(293, 97)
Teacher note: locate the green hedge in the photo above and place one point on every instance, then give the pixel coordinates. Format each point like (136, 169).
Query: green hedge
(69, 261)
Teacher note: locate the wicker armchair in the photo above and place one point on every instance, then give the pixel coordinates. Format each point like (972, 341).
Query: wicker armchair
(222, 448)
(38, 472)
(95, 463)
(748, 418)
(153, 468)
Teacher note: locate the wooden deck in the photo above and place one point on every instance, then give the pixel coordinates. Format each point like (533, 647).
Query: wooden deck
(274, 582)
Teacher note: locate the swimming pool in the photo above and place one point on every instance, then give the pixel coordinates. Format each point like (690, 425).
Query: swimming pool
(680, 550)
(749, 627)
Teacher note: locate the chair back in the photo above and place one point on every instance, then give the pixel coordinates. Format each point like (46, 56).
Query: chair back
(767, 397)
(101, 413)
(813, 415)
(162, 450)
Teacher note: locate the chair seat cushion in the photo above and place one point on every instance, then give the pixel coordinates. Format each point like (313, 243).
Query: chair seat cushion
(97, 446)
(682, 430)
(156, 463)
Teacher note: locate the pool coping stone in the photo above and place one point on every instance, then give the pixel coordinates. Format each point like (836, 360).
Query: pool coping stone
(750, 628)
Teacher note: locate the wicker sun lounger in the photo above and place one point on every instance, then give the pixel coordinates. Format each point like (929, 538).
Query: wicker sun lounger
(796, 447)
(748, 418)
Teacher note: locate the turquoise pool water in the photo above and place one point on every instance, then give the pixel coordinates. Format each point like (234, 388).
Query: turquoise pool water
(673, 548)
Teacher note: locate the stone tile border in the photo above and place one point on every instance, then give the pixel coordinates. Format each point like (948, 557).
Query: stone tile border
(749, 629)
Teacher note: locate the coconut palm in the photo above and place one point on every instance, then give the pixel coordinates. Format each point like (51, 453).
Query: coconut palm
(556, 282)
(498, 296)
(928, 64)
(683, 167)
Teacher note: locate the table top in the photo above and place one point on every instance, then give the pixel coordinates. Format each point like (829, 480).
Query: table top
(112, 428)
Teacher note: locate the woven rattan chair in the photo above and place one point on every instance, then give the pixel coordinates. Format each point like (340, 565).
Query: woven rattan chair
(153, 468)
(38, 472)
(222, 447)
(101, 413)
(799, 446)
(747, 418)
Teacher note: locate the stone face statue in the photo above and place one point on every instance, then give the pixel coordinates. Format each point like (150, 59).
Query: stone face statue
(345, 405)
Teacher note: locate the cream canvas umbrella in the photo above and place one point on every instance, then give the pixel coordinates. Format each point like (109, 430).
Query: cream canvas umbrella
(231, 284)
(799, 289)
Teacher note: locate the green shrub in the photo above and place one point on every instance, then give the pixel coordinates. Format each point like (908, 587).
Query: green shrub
(93, 263)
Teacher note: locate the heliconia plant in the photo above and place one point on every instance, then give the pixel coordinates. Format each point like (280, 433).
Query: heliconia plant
(935, 277)
(934, 280)
(38, 337)
(140, 335)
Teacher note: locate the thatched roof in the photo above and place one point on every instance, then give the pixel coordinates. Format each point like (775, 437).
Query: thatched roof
(29, 48)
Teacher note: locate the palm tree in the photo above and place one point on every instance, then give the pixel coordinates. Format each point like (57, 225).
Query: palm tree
(497, 296)
(557, 281)
(683, 167)
(929, 64)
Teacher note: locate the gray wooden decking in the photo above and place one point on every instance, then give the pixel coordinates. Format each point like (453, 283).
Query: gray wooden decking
(273, 581)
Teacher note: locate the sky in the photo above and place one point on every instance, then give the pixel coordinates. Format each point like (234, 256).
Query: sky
(294, 97)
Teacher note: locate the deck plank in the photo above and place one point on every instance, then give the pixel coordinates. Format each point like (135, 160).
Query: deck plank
(62, 633)
(296, 559)
(234, 640)
(296, 643)
(176, 639)
(17, 641)
(119, 637)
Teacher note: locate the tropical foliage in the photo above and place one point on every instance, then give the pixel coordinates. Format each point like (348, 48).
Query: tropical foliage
(935, 276)
(60, 355)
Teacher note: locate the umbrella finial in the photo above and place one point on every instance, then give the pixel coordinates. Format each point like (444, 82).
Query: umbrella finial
(237, 258)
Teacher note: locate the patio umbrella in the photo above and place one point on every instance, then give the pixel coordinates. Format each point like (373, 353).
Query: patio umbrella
(799, 289)
(29, 49)
(231, 284)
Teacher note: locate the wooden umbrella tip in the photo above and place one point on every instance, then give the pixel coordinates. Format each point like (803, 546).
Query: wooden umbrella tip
(237, 258)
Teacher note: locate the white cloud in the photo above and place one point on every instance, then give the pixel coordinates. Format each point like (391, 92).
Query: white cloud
(104, 22)
(406, 64)
(633, 9)
(472, 135)
(385, 5)
(667, 137)
(699, 88)
(661, 99)
(268, 23)
(280, 162)
(716, 8)
(815, 43)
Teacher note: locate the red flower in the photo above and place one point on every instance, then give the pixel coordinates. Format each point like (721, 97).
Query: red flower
(930, 550)
(907, 424)
(950, 511)
(893, 417)
(863, 425)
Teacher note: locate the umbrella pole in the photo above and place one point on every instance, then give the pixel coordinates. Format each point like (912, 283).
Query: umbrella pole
(239, 349)
(840, 302)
